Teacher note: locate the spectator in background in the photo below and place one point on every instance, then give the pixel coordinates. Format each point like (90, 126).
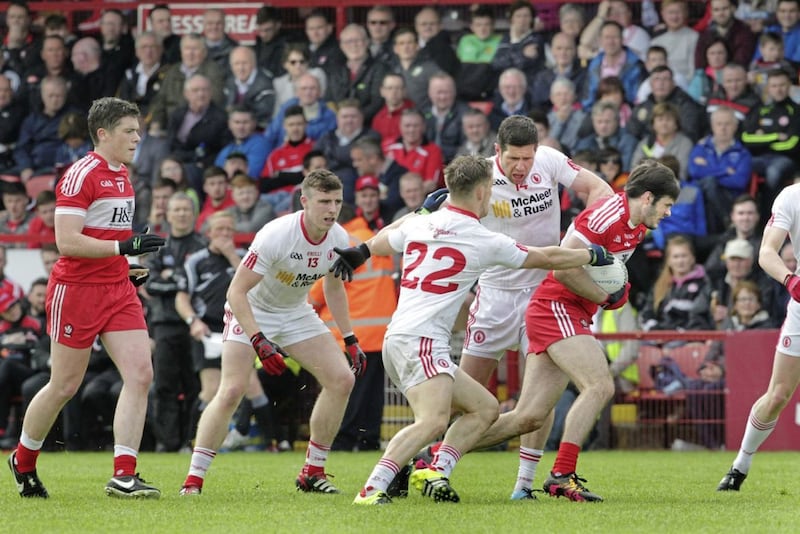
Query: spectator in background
(565, 65)
(172, 169)
(369, 160)
(295, 61)
(566, 115)
(416, 152)
(218, 195)
(218, 43)
(157, 220)
(480, 45)
(194, 60)
(336, 144)
(16, 218)
(246, 141)
(13, 112)
(412, 193)
(744, 224)
(41, 228)
(609, 166)
(634, 37)
(681, 295)
(667, 138)
(770, 45)
(325, 51)
(49, 254)
(198, 129)
(479, 137)
(521, 47)
(55, 62)
(361, 75)
(615, 59)
(249, 86)
(38, 138)
(787, 15)
(74, 134)
(736, 34)
(679, 38)
(443, 116)
(610, 94)
(542, 123)
(249, 212)
(118, 48)
(141, 82)
(56, 24)
(415, 69)
(387, 120)
(656, 57)
(282, 171)
(91, 78)
(270, 41)
(368, 202)
(735, 93)
(748, 311)
(708, 80)
(771, 132)
(235, 163)
(512, 97)
(173, 365)
(19, 46)
(320, 119)
(606, 132)
(571, 21)
(161, 24)
(434, 41)
(692, 119)
(380, 25)
(721, 166)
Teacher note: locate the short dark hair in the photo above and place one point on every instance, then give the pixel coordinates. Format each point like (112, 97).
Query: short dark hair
(402, 31)
(47, 196)
(214, 171)
(55, 21)
(106, 113)
(267, 14)
(292, 111)
(321, 180)
(517, 130)
(311, 155)
(165, 182)
(481, 12)
(655, 177)
(236, 155)
(521, 4)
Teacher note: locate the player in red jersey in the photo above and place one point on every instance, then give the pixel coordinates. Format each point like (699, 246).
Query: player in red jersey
(561, 347)
(90, 294)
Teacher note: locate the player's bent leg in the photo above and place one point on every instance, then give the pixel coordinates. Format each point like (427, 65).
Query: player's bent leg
(479, 410)
(542, 386)
(531, 448)
(477, 367)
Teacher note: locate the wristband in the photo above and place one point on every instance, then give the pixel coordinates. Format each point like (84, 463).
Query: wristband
(787, 278)
(347, 334)
(116, 248)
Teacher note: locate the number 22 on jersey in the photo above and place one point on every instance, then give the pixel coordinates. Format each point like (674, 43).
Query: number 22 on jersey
(446, 263)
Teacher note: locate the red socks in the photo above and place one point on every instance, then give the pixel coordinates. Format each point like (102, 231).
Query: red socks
(124, 465)
(25, 459)
(567, 458)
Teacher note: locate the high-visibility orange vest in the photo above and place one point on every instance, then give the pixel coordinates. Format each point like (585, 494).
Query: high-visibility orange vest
(371, 294)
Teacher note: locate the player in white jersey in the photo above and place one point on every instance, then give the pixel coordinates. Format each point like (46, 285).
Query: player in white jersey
(267, 298)
(443, 255)
(90, 294)
(525, 206)
(785, 221)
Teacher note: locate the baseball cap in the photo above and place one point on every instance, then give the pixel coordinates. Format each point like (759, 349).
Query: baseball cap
(368, 181)
(8, 296)
(738, 248)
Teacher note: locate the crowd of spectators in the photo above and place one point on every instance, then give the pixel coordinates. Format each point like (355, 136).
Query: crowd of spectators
(385, 105)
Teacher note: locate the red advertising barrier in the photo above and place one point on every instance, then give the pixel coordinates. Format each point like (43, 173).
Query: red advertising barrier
(748, 359)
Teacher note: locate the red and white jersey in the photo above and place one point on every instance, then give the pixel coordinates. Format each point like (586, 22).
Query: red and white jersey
(104, 197)
(606, 223)
(529, 212)
(786, 214)
(289, 262)
(425, 160)
(443, 255)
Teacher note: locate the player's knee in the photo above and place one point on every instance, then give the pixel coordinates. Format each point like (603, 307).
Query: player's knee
(230, 395)
(779, 397)
(529, 421)
(489, 413)
(340, 383)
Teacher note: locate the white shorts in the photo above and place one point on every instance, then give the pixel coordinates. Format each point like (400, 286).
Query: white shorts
(789, 338)
(410, 360)
(285, 328)
(497, 322)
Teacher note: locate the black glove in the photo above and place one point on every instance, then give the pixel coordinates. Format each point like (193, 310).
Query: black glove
(349, 260)
(141, 244)
(136, 274)
(600, 256)
(270, 354)
(355, 356)
(433, 201)
(618, 298)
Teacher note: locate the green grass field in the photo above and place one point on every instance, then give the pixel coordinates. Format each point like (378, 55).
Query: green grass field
(254, 492)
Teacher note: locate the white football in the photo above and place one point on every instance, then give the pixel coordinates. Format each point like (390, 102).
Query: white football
(610, 278)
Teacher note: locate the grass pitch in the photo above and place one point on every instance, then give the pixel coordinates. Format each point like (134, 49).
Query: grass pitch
(254, 492)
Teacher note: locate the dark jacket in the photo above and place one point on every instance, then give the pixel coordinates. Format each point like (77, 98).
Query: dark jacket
(691, 114)
(764, 124)
(127, 87)
(170, 96)
(365, 86)
(205, 139)
(741, 42)
(510, 55)
(439, 49)
(328, 56)
(220, 53)
(451, 135)
(269, 56)
(540, 90)
(38, 141)
(260, 97)
(686, 306)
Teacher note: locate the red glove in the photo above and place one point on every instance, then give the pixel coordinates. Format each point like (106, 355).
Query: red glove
(270, 354)
(792, 283)
(355, 356)
(617, 299)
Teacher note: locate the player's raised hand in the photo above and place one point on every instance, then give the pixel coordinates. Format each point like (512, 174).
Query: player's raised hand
(349, 260)
(355, 356)
(140, 244)
(433, 201)
(138, 274)
(618, 298)
(270, 354)
(600, 256)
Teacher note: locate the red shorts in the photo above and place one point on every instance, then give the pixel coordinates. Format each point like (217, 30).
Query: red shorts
(78, 314)
(548, 321)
